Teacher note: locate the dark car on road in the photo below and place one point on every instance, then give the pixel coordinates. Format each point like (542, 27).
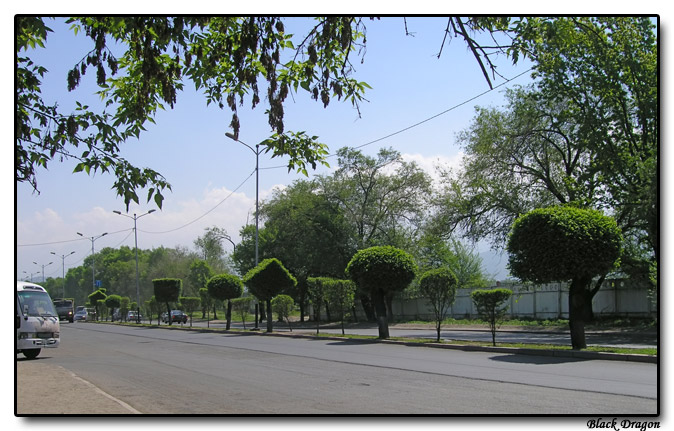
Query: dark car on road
(177, 316)
(65, 309)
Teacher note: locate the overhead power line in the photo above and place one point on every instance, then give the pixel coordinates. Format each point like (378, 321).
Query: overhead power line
(458, 105)
(207, 212)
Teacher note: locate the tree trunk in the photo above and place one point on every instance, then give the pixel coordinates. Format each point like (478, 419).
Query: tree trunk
(577, 310)
(228, 315)
(263, 315)
(380, 308)
(215, 315)
(437, 327)
(389, 306)
(366, 301)
(270, 320)
(168, 313)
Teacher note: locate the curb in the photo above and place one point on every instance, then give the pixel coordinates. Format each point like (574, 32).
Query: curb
(577, 354)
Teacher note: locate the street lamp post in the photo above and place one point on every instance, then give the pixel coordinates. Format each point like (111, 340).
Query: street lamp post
(43, 268)
(63, 267)
(255, 151)
(30, 274)
(135, 233)
(93, 261)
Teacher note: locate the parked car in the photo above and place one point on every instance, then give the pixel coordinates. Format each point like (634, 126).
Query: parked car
(81, 313)
(133, 316)
(177, 316)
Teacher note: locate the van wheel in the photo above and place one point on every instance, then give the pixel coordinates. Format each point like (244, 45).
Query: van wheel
(31, 353)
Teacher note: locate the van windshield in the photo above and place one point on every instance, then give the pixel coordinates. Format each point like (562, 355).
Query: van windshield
(39, 303)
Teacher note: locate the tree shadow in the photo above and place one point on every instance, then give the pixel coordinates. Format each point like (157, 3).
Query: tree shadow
(349, 342)
(536, 359)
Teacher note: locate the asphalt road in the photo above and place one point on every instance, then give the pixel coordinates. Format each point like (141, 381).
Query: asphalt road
(179, 372)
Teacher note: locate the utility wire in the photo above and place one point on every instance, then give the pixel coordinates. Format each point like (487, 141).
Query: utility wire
(68, 240)
(426, 120)
(207, 212)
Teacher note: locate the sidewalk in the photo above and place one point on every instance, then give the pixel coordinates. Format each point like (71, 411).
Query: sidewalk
(36, 378)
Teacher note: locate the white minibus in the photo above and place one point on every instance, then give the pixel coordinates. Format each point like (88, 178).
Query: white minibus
(37, 323)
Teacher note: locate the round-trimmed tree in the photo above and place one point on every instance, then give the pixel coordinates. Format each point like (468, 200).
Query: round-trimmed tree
(565, 244)
(382, 271)
(225, 287)
(439, 287)
(266, 280)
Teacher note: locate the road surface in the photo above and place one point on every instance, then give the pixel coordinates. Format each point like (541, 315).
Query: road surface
(159, 371)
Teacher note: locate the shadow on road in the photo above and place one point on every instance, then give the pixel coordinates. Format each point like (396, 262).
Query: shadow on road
(535, 360)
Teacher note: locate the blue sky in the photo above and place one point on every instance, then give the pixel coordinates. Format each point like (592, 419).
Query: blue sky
(188, 144)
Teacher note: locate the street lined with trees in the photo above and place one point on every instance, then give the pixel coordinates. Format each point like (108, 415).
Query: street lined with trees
(579, 145)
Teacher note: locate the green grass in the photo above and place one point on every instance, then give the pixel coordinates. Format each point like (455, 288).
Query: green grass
(635, 323)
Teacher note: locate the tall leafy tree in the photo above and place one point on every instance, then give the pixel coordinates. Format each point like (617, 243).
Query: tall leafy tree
(383, 200)
(311, 236)
(586, 134)
(210, 248)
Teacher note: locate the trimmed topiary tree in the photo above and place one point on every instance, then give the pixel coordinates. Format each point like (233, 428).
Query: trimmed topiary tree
(439, 287)
(565, 244)
(167, 290)
(112, 302)
(225, 287)
(95, 297)
(316, 291)
(382, 271)
(268, 279)
(283, 305)
(340, 295)
(489, 304)
(242, 307)
(190, 304)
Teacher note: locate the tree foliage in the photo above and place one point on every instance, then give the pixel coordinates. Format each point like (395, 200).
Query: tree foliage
(95, 297)
(565, 244)
(490, 306)
(232, 60)
(380, 271)
(167, 290)
(439, 287)
(283, 306)
(242, 307)
(267, 280)
(190, 304)
(340, 295)
(585, 134)
(225, 287)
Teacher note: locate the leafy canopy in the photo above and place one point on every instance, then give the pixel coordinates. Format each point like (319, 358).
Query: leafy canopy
(224, 286)
(562, 243)
(382, 267)
(268, 279)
